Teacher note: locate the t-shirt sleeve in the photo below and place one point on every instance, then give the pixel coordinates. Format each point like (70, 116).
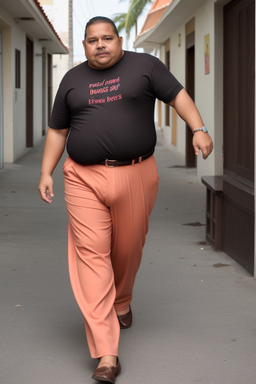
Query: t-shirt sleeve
(60, 116)
(165, 85)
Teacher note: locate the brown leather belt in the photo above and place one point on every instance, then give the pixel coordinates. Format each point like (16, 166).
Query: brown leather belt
(118, 163)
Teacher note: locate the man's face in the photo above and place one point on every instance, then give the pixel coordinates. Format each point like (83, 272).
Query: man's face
(103, 48)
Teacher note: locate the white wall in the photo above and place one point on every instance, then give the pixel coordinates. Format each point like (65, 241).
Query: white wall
(178, 68)
(14, 100)
(60, 67)
(204, 84)
(205, 90)
(219, 86)
(15, 140)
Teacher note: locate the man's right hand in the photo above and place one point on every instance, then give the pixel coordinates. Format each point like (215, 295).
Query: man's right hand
(53, 150)
(46, 188)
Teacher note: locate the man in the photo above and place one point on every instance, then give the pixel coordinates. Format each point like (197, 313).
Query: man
(104, 109)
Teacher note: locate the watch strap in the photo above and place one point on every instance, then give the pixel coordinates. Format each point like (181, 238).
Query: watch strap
(203, 128)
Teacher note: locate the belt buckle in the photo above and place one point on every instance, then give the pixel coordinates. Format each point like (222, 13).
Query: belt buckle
(110, 163)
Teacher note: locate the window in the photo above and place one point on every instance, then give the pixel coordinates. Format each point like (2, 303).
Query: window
(17, 68)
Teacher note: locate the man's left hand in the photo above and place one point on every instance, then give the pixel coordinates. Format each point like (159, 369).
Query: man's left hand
(202, 142)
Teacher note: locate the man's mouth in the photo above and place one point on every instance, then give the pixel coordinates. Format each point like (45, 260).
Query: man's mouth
(101, 53)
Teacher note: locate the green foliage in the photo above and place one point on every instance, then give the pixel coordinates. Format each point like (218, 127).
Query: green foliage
(125, 21)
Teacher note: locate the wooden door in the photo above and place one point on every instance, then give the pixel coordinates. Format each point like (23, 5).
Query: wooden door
(190, 87)
(239, 125)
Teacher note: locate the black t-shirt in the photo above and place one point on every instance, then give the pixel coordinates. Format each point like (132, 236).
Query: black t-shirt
(110, 112)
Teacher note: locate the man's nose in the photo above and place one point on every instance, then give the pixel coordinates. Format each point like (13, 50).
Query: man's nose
(101, 44)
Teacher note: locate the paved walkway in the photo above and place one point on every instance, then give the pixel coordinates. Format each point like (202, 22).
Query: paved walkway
(194, 309)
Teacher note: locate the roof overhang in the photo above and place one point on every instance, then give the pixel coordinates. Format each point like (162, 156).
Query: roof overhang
(178, 13)
(31, 17)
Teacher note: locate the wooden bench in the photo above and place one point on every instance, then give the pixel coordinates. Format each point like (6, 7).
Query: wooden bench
(214, 193)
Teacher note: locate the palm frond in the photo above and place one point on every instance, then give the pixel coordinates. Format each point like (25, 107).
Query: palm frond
(134, 11)
(119, 20)
(127, 20)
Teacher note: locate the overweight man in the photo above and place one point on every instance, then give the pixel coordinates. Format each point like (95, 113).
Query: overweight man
(104, 114)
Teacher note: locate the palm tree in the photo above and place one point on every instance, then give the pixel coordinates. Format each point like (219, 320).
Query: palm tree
(125, 21)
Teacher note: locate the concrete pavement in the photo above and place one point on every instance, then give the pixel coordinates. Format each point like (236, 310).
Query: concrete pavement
(194, 309)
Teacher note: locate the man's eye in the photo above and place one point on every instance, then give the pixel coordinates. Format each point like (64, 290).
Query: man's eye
(92, 41)
(108, 38)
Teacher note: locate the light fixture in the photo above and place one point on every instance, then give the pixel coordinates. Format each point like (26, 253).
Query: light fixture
(24, 19)
(179, 39)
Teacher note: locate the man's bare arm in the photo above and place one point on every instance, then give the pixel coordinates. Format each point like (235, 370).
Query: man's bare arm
(188, 111)
(53, 150)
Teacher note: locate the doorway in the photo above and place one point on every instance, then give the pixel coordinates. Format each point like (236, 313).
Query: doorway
(190, 87)
(29, 93)
(168, 65)
(1, 105)
(49, 87)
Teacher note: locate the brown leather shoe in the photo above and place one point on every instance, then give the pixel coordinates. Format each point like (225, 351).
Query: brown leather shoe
(107, 374)
(125, 320)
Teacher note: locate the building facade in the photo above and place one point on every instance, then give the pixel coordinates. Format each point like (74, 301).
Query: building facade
(209, 45)
(27, 43)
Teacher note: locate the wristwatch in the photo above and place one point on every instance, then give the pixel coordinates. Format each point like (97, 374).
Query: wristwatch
(204, 129)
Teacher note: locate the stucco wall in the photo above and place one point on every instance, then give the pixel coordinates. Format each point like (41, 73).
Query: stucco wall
(60, 67)
(205, 87)
(14, 99)
(218, 91)
(204, 83)
(178, 68)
